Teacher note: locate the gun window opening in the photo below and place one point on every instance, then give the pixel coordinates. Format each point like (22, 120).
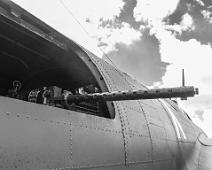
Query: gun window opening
(39, 65)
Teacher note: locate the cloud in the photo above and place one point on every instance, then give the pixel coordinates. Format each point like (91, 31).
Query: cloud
(203, 120)
(207, 79)
(201, 13)
(187, 21)
(109, 36)
(127, 14)
(207, 116)
(186, 24)
(203, 101)
(95, 9)
(151, 11)
(199, 114)
(207, 15)
(141, 59)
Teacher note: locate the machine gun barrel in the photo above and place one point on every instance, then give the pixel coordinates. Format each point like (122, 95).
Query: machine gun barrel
(183, 92)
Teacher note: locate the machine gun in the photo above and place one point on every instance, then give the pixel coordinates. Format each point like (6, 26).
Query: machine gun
(183, 92)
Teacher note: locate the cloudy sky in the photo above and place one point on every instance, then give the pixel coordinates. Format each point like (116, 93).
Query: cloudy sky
(149, 39)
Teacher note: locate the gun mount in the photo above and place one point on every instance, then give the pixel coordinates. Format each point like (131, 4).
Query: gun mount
(186, 91)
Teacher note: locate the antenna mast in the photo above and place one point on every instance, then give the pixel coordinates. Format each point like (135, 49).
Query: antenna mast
(183, 78)
(183, 83)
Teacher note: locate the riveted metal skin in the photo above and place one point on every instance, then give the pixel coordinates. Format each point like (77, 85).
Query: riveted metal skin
(140, 134)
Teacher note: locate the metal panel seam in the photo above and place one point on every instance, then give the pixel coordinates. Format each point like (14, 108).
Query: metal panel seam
(85, 167)
(147, 122)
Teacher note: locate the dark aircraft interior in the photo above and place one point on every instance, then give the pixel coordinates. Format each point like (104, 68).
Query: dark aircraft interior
(31, 63)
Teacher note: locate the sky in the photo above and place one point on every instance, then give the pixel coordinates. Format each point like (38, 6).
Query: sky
(150, 40)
